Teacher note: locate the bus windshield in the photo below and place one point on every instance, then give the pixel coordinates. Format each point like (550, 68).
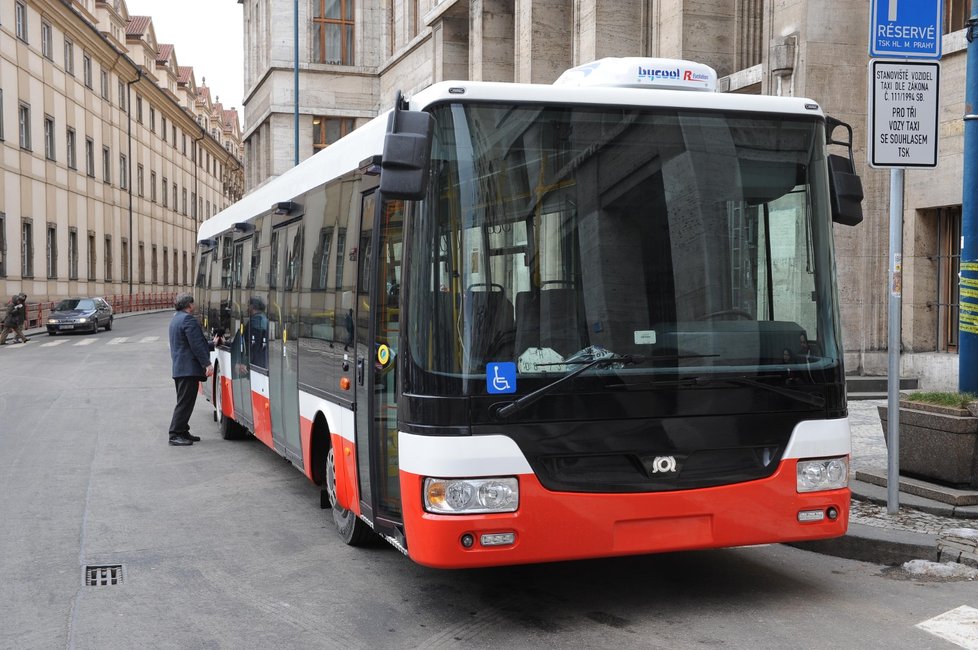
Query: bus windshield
(692, 241)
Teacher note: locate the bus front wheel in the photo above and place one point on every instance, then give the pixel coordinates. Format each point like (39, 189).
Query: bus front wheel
(350, 527)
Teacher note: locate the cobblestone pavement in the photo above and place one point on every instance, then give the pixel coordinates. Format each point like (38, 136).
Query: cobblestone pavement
(869, 452)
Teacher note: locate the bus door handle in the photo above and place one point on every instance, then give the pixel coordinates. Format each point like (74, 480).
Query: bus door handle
(360, 366)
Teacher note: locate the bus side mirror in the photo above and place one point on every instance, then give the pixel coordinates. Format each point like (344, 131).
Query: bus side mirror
(845, 188)
(407, 154)
(846, 191)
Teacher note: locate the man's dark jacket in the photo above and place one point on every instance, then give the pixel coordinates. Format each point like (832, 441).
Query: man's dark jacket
(189, 348)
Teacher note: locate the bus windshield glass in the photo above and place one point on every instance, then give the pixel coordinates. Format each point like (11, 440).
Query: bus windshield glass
(689, 241)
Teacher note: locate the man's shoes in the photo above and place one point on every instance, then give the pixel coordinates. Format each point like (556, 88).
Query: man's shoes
(178, 441)
(190, 437)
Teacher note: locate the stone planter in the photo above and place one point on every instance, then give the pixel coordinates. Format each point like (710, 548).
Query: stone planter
(937, 443)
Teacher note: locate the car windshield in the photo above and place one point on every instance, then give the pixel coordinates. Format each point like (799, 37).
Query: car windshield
(697, 241)
(82, 304)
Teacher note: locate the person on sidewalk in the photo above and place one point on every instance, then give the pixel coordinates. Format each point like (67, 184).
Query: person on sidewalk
(14, 320)
(190, 354)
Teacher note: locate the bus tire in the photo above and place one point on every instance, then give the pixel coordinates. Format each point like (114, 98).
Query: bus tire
(350, 527)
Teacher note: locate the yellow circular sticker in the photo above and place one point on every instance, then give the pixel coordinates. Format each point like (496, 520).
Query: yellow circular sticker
(383, 355)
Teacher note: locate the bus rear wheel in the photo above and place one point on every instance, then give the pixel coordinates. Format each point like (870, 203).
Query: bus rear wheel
(350, 527)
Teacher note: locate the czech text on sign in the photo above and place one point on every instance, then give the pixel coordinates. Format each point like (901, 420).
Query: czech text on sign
(905, 29)
(903, 113)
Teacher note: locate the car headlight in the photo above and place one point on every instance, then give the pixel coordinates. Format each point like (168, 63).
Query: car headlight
(52, 321)
(458, 496)
(823, 474)
(82, 320)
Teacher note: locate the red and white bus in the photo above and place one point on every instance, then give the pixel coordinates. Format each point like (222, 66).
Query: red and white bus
(507, 323)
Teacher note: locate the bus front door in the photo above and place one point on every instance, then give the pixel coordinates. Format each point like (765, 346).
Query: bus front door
(377, 318)
(283, 357)
(240, 374)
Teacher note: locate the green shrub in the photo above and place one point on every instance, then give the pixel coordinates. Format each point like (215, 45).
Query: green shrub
(954, 400)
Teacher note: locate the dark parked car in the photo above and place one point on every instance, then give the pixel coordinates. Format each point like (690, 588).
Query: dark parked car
(85, 314)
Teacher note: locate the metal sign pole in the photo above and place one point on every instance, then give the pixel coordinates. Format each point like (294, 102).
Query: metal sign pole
(893, 342)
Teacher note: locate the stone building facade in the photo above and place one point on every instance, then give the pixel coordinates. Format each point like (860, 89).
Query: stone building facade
(110, 153)
(353, 55)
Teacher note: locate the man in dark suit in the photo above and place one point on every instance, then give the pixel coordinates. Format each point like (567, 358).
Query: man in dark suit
(190, 352)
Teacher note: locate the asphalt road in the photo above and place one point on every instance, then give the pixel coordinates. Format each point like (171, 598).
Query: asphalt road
(223, 545)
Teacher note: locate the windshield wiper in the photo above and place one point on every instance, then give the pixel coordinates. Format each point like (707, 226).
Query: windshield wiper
(798, 395)
(505, 409)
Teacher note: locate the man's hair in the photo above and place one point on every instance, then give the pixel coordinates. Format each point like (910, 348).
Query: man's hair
(256, 303)
(182, 301)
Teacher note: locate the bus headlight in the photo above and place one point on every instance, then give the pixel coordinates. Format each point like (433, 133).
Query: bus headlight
(458, 496)
(823, 474)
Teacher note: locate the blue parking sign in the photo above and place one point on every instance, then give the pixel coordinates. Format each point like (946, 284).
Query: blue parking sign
(501, 377)
(905, 29)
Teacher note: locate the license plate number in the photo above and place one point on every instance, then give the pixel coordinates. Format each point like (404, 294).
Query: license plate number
(67, 327)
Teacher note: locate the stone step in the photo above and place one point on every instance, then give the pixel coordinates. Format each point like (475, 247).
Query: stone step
(875, 387)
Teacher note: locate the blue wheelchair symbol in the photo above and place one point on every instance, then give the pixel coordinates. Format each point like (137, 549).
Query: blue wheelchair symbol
(501, 377)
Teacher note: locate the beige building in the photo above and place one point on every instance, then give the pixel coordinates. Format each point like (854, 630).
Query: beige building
(110, 153)
(355, 54)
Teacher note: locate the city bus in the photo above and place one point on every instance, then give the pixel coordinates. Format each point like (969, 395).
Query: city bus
(515, 323)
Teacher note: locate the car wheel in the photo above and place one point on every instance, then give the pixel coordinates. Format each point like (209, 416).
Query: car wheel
(108, 326)
(351, 528)
(95, 326)
(51, 332)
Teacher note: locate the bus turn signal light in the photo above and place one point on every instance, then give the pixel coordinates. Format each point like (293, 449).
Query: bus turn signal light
(344, 383)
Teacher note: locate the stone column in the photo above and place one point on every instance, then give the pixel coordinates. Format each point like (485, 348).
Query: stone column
(491, 42)
(611, 29)
(544, 37)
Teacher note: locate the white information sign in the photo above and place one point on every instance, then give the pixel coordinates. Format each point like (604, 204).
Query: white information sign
(903, 113)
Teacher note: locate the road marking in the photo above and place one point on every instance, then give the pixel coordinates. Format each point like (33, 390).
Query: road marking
(149, 339)
(85, 342)
(52, 343)
(118, 340)
(959, 626)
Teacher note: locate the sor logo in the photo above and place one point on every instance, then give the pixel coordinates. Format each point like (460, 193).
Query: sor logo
(663, 464)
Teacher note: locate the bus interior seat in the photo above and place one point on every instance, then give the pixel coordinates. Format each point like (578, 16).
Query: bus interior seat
(493, 326)
(548, 319)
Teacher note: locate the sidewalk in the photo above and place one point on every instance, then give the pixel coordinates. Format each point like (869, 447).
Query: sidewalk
(924, 528)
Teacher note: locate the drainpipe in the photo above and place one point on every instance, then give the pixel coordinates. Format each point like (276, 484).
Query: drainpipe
(968, 312)
(139, 75)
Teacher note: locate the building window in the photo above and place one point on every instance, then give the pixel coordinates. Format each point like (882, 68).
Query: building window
(51, 241)
(174, 129)
(72, 254)
(125, 260)
(92, 255)
(139, 180)
(122, 95)
(69, 57)
(163, 128)
(193, 205)
(106, 165)
(107, 258)
(153, 267)
(165, 192)
(87, 70)
(176, 279)
(70, 148)
(175, 207)
(152, 119)
(47, 48)
(184, 144)
(152, 187)
(20, 18)
(166, 265)
(184, 203)
(948, 266)
(142, 263)
(333, 31)
(49, 149)
(184, 268)
(24, 124)
(956, 15)
(123, 172)
(27, 248)
(139, 109)
(90, 157)
(105, 84)
(3, 245)
(327, 130)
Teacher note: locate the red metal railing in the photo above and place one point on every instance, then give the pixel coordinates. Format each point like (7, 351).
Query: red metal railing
(121, 303)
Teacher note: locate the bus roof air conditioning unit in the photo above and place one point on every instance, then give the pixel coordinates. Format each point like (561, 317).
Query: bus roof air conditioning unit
(642, 72)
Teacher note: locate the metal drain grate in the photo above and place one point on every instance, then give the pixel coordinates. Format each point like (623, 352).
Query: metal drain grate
(103, 576)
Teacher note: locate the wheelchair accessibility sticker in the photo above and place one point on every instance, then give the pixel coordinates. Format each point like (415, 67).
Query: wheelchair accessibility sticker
(501, 377)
